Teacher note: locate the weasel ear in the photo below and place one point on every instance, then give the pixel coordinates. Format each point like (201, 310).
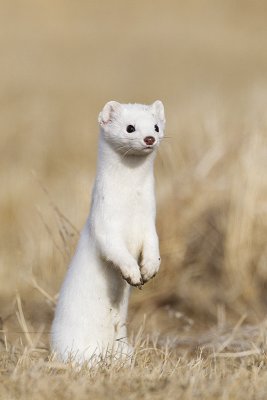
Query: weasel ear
(158, 109)
(109, 112)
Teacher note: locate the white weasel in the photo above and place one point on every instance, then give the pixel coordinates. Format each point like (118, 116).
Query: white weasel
(119, 243)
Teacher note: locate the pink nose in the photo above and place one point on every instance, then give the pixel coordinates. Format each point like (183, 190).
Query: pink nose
(149, 140)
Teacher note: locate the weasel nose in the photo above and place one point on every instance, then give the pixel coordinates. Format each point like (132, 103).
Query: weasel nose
(149, 140)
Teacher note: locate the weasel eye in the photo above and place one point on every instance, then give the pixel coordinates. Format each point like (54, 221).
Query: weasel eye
(130, 128)
(156, 128)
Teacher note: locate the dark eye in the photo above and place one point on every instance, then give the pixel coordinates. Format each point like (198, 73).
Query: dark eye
(130, 128)
(156, 128)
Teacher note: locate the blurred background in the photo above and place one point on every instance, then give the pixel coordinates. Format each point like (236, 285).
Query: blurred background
(207, 61)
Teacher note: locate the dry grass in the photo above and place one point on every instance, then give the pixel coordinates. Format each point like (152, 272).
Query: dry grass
(159, 370)
(199, 328)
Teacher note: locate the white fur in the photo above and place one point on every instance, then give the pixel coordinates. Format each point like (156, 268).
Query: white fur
(119, 239)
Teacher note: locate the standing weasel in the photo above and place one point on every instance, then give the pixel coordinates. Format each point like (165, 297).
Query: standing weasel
(119, 243)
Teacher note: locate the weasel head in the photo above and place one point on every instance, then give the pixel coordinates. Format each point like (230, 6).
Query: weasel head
(133, 129)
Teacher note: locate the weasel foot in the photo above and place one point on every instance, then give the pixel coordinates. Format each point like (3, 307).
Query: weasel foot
(133, 277)
(149, 268)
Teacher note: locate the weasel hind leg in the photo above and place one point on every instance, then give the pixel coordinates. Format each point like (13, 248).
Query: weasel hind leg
(95, 354)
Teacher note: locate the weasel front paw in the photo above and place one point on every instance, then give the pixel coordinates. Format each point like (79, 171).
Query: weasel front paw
(133, 277)
(149, 268)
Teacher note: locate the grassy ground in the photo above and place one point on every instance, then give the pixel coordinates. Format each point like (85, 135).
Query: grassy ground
(199, 327)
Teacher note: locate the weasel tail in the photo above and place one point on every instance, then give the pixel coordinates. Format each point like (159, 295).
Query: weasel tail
(118, 246)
